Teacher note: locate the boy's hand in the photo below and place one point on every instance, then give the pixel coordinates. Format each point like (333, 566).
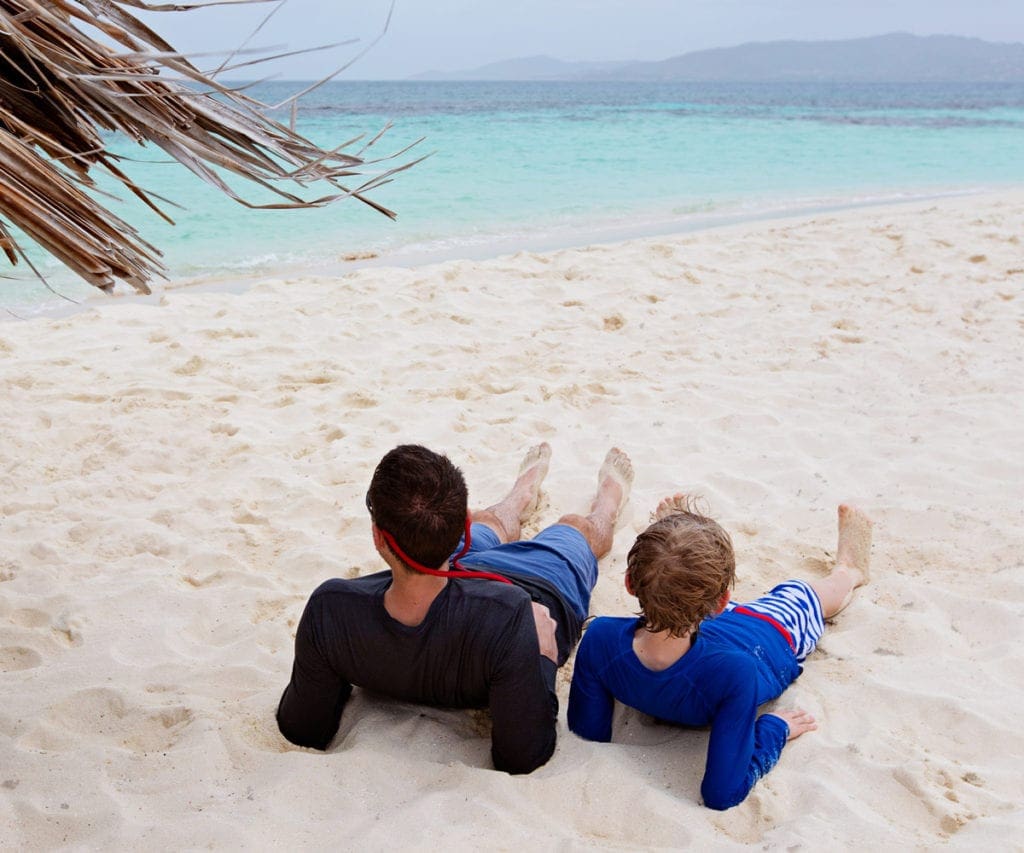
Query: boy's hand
(798, 720)
(545, 631)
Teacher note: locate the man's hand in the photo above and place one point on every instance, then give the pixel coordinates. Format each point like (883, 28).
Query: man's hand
(798, 720)
(545, 631)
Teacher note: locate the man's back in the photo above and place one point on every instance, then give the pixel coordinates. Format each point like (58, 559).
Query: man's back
(477, 647)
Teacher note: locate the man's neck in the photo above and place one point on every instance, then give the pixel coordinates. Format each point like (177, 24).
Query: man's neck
(410, 595)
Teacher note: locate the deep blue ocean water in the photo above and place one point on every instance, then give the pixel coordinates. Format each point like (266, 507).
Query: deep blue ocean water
(535, 165)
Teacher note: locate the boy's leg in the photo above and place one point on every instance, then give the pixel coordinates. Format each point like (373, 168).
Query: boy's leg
(614, 481)
(853, 554)
(506, 517)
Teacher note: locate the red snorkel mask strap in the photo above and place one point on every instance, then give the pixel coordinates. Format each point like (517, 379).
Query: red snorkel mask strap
(459, 571)
(467, 541)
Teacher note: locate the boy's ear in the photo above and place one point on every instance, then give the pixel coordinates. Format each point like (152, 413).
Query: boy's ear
(724, 600)
(629, 586)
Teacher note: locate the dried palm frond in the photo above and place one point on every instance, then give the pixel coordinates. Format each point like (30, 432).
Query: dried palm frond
(60, 87)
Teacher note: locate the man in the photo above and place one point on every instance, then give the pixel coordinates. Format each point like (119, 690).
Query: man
(466, 615)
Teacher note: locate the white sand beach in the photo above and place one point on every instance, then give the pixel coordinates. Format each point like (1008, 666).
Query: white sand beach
(176, 478)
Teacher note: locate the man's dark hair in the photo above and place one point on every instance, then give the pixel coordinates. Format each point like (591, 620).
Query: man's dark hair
(420, 498)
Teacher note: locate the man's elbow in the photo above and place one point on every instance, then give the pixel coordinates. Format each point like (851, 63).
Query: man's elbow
(522, 762)
(301, 735)
(302, 738)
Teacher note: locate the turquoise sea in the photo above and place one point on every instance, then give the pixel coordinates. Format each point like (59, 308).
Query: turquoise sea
(540, 165)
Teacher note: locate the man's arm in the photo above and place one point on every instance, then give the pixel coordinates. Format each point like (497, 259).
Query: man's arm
(310, 708)
(523, 703)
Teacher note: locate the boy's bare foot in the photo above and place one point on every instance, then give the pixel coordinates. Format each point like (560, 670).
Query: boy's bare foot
(853, 552)
(532, 472)
(673, 505)
(614, 481)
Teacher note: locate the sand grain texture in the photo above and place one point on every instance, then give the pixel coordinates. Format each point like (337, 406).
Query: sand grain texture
(175, 479)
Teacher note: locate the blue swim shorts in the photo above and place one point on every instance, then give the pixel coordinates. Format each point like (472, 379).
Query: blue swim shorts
(558, 554)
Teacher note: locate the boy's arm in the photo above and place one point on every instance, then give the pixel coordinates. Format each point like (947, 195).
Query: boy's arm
(310, 708)
(743, 747)
(590, 703)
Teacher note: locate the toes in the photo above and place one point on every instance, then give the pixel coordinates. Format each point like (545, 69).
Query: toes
(672, 505)
(539, 454)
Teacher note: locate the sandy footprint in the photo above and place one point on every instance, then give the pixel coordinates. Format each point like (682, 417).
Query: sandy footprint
(28, 617)
(15, 658)
(112, 717)
(272, 609)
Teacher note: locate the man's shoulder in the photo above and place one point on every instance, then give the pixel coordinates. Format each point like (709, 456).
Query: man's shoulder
(367, 585)
(500, 595)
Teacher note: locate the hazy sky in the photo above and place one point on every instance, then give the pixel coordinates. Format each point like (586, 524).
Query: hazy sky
(458, 34)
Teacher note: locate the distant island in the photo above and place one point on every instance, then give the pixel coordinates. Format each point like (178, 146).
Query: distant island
(892, 58)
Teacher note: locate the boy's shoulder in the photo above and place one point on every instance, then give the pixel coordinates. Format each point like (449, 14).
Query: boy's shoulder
(607, 627)
(605, 639)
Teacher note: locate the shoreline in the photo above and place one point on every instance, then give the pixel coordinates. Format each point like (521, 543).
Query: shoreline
(492, 247)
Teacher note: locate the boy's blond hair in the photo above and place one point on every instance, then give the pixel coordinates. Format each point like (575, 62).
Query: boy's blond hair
(680, 568)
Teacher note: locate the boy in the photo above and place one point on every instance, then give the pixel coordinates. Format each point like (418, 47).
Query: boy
(682, 663)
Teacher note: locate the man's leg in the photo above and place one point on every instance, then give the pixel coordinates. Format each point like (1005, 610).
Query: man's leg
(566, 553)
(614, 481)
(852, 558)
(506, 517)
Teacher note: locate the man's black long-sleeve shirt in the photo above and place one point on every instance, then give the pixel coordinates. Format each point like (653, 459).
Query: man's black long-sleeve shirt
(476, 648)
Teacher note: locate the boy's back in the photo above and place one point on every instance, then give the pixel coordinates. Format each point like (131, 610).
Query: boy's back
(735, 663)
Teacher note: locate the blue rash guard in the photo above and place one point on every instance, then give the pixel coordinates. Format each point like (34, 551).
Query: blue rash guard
(736, 662)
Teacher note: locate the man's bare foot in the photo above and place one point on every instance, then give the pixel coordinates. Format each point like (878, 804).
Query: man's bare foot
(614, 481)
(853, 552)
(673, 505)
(506, 517)
(531, 474)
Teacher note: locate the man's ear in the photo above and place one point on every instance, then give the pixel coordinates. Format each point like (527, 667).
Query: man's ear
(629, 586)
